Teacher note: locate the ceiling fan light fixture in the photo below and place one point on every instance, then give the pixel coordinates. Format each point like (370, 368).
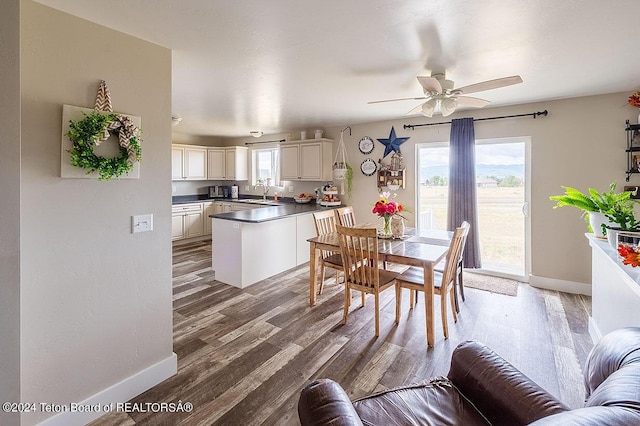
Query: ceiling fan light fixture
(428, 107)
(256, 133)
(448, 106)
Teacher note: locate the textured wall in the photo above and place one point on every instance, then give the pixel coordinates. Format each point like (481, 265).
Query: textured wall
(10, 207)
(96, 299)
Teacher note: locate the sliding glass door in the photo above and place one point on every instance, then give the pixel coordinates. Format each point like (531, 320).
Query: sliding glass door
(502, 193)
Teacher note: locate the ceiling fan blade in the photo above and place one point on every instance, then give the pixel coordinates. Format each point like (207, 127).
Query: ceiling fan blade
(430, 84)
(490, 84)
(399, 99)
(468, 101)
(416, 110)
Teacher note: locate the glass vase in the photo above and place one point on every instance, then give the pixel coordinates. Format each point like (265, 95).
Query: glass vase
(386, 230)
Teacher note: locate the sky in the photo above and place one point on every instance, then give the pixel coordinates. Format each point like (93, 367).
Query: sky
(486, 153)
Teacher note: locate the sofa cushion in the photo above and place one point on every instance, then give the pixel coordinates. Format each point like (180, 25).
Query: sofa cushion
(435, 403)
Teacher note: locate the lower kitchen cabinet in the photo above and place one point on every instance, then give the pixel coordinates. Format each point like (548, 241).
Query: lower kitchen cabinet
(209, 208)
(187, 221)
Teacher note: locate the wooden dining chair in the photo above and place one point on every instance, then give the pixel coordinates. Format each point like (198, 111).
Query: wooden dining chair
(443, 282)
(359, 247)
(458, 285)
(325, 222)
(346, 217)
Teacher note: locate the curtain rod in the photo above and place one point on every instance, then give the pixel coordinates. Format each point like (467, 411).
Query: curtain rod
(533, 114)
(254, 143)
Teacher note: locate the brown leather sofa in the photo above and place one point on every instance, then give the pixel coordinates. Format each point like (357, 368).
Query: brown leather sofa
(482, 388)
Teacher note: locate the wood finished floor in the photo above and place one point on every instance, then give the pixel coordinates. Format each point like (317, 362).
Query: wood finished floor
(244, 355)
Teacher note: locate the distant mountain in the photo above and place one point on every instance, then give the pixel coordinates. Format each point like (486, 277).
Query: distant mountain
(482, 170)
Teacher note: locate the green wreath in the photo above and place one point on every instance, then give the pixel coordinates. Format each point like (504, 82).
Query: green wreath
(94, 128)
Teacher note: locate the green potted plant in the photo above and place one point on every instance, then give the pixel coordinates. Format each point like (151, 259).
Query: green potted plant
(602, 209)
(623, 215)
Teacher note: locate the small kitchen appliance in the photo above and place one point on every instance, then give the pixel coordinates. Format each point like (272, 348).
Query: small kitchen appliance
(213, 191)
(226, 191)
(234, 191)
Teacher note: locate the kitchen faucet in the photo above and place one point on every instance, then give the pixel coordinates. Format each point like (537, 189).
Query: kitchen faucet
(264, 183)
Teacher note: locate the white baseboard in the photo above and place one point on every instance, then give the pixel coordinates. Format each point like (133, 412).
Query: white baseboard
(560, 285)
(120, 392)
(594, 331)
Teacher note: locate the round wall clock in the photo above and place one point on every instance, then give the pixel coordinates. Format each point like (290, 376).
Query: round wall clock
(368, 167)
(366, 145)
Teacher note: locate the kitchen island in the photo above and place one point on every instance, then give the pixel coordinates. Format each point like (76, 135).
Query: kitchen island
(249, 246)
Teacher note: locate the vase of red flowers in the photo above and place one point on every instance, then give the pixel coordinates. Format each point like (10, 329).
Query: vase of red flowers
(387, 209)
(634, 100)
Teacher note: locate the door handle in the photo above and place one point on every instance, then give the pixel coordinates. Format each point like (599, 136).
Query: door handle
(525, 209)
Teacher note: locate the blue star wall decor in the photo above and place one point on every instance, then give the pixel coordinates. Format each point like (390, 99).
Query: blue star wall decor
(392, 143)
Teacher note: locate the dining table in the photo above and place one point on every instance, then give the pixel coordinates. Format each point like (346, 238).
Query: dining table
(421, 248)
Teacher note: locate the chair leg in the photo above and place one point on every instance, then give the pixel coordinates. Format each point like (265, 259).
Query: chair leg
(337, 277)
(363, 298)
(461, 283)
(322, 269)
(427, 321)
(454, 295)
(398, 302)
(412, 298)
(377, 299)
(443, 311)
(453, 303)
(347, 294)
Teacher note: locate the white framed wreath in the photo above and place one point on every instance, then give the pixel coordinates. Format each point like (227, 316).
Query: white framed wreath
(96, 126)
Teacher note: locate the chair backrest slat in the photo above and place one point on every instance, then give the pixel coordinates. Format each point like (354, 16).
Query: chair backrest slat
(359, 248)
(454, 253)
(346, 217)
(325, 222)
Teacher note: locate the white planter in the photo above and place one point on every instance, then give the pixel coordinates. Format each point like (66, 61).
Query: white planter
(612, 237)
(339, 174)
(596, 219)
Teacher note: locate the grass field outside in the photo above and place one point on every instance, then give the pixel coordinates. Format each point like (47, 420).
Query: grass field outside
(501, 223)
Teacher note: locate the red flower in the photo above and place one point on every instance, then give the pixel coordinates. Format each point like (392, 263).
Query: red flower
(634, 99)
(629, 255)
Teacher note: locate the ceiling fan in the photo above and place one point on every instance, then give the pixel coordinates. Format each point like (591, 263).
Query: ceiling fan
(440, 91)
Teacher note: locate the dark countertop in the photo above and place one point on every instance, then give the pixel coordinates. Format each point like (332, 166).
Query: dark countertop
(265, 214)
(184, 199)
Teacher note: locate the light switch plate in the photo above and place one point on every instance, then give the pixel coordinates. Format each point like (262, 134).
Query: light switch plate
(141, 223)
(290, 188)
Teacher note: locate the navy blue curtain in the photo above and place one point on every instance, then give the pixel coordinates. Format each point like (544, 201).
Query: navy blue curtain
(462, 187)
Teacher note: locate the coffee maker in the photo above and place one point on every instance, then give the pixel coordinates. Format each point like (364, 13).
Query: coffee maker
(217, 191)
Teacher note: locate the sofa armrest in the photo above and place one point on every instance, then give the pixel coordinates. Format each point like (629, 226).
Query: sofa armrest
(497, 389)
(324, 402)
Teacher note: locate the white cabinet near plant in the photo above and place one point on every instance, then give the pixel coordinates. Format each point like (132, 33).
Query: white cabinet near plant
(227, 163)
(309, 160)
(188, 162)
(187, 221)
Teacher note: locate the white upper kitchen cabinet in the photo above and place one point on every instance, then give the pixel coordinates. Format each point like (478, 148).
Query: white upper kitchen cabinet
(306, 160)
(188, 162)
(216, 169)
(227, 163)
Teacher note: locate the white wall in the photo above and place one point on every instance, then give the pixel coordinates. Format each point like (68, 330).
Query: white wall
(580, 143)
(10, 207)
(96, 299)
